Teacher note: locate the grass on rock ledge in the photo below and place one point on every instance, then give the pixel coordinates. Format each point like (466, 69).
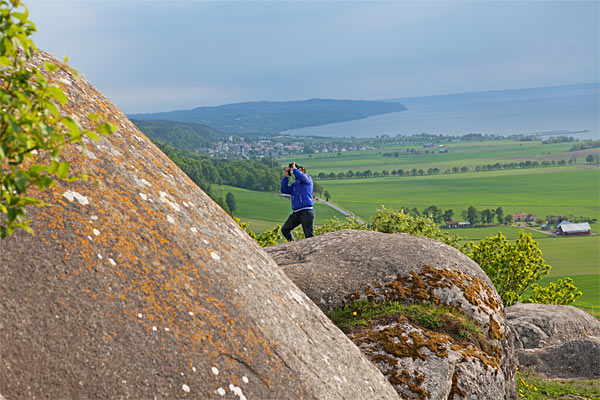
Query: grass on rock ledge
(436, 318)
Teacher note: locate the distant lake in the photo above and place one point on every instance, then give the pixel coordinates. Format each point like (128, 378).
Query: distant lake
(564, 110)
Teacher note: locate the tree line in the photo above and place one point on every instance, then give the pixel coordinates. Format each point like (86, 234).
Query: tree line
(587, 144)
(453, 170)
(471, 214)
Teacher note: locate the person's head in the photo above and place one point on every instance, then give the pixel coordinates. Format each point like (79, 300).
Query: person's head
(301, 168)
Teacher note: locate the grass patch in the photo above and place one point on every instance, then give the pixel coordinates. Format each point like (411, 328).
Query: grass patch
(440, 319)
(534, 388)
(540, 192)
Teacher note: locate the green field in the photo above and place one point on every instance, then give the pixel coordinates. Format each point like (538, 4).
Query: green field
(543, 191)
(459, 154)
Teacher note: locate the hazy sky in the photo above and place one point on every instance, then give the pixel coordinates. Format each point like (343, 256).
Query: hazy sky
(163, 55)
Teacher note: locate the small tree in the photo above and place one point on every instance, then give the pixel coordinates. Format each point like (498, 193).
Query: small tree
(500, 215)
(589, 159)
(230, 200)
(511, 267)
(32, 132)
(327, 195)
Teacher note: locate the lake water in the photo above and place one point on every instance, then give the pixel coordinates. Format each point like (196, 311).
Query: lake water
(565, 110)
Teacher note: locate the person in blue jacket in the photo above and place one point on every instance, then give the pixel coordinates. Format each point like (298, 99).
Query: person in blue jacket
(301, 191)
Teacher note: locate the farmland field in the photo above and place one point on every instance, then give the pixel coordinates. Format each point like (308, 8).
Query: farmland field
(459, 154)
(543, 191)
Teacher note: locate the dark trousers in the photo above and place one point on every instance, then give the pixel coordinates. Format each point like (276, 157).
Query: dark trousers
(302, 217)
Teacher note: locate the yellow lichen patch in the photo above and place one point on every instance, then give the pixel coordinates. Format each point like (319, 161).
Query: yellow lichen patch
(455, 390)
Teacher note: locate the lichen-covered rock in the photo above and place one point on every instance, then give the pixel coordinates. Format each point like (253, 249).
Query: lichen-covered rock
(557, 341)
(138, 286)
(337, 268)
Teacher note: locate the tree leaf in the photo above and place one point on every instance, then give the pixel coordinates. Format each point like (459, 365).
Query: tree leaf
(63, 170)
(106, 128)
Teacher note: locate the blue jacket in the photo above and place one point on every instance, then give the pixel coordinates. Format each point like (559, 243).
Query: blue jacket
(301, 190)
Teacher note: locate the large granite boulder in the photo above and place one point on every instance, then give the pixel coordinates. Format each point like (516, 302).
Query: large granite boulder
(338, 268)
(556, 341)
(138, 286)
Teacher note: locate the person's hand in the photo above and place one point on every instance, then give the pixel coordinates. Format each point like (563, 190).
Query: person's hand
(287, 171)
(293, 165)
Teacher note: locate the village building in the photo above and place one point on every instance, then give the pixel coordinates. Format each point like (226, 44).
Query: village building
(563, 223)
(523, 217)
(572, 229)
(456, 224)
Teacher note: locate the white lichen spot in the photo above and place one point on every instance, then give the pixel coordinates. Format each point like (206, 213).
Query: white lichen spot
(140, 315)
(249, 286)
(71, 195)
(296, 296)
(191, 313)
(185, 388)
(245, 379)
(194, 369)
(94, 218)
(63, 80)
(89, 237)
(237, 391)
(144, 196)
(154, 328)
(145, 182)
(170, 219)
(205, 241)
(110, 260)
(215, 370)
(185, 204)
(194, 230)
(249, 267)
(167, 329)
(215, 256)
(221, 391)
(100, 256)
(96, 232)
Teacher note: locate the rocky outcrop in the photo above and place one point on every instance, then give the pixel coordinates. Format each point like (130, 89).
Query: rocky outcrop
(136, 285)
(557, 341)
(338, 268)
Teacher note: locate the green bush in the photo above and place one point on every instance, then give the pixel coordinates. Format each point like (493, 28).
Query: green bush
(513, 268)
(32, 133)
(388, 220)
(264, 239)
(561, 292)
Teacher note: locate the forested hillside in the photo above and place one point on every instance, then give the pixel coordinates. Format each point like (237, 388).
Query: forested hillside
(189, 135)
(263, 174)
(267, 117)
